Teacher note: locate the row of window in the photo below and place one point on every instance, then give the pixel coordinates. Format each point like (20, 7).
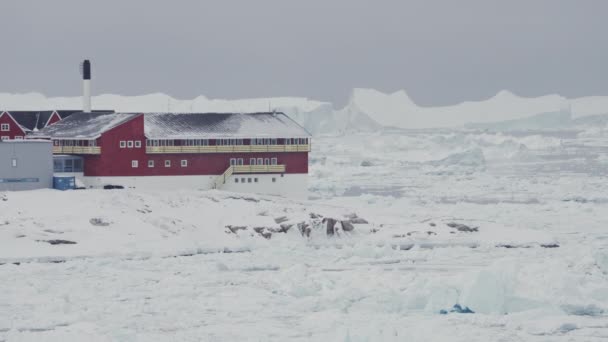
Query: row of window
(226, 142)
(135, 163)
(67, 164)
(130, 143)
(254, 161)
(233, 162)
(75, 142)
(5, 137)
(5, 127)
(248, 180)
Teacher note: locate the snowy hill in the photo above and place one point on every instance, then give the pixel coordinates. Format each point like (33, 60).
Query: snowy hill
(367, 109)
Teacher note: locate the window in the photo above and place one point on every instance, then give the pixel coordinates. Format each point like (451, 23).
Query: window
(232, 161)
(236, 180)
(4, 137)
(274, 180)
(248, 180)
(18, 137)
(242, 180)
(239, 161)
(150, 163)
(14, 162)
(130, 144)
(92, 143)
(5, 127)
(184, 163)
(123, 144)
(260, 161)
(273, 141)
(255, 180)
(288, 141)
(134, 163)
(167, 163)
(138, 144)
(252, 161)
(267, 161)
(273, 161)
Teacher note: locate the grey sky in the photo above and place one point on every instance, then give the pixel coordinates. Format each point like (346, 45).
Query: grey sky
(440, 52)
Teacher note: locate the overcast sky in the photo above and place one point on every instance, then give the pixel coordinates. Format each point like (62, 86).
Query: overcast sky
(440, 52)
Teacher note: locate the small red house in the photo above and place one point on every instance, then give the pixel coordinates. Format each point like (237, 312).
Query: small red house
(258, 152)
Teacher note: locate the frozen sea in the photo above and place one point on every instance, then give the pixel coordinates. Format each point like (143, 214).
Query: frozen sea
(533, 267)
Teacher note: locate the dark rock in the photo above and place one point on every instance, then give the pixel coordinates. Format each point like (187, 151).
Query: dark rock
(60, 242)
(111, 187)
(280, 219)
(330, 226)
(347, 226)
(235, 229)
(457, 309)
(97, 221)
(432, 224)
(358, 220)
(315, 216)
(264, 231)
(366, 163)
(552, 245)
(431, 233)
(304, 229)
(462, 227)
(285, 227)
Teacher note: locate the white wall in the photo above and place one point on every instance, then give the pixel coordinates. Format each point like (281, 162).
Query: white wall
(290, 185)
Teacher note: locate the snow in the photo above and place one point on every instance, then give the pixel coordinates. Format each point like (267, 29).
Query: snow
(510, 225)
(213, 125)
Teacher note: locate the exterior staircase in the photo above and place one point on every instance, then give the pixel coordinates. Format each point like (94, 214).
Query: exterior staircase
(221, 179)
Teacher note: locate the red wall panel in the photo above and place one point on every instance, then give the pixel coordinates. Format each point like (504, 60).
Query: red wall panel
(116, 161)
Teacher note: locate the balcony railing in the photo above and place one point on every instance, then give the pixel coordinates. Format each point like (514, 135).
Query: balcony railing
(228, 149)
(259, 168)
(76, 150)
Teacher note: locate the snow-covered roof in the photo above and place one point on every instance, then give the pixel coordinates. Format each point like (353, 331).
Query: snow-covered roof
(220, 125)
(84, 125)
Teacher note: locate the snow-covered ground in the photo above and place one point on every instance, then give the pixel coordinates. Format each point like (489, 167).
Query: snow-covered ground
(512, 226)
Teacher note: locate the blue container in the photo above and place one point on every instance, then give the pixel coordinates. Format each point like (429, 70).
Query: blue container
(64, 183)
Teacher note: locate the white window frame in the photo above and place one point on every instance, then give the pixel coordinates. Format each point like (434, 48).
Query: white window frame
(134, 164)
(184, 163)
(14, 162)
(4, 137)
(252, 161)
(123, 144)
(18, 137)
(150, 163)
(167, 163)
(260, 161)
(266, 161)
(273, 161)
(130, 144)
(232, 161)
(239, 161)
(137, 143)
(5, 127)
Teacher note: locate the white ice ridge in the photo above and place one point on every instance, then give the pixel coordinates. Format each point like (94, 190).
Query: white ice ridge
(366, 110)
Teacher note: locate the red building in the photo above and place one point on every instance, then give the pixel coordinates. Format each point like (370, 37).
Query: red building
(9, 128)
(259, 152)
(18, 124)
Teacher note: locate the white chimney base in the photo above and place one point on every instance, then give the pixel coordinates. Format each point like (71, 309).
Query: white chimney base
(86, 96)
